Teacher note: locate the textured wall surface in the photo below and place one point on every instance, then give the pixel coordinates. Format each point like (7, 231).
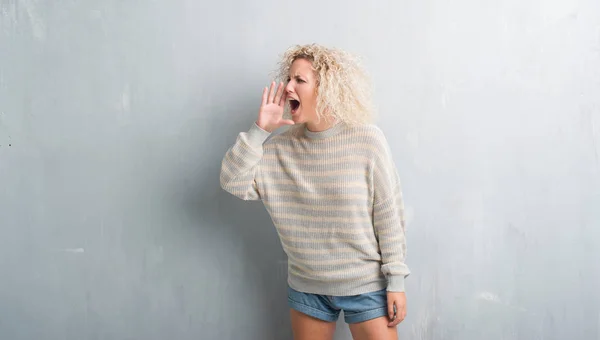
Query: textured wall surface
(114, 116)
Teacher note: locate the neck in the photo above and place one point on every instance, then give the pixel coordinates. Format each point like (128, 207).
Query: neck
(321, 125)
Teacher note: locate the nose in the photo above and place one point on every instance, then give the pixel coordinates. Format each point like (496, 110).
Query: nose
(289, 88)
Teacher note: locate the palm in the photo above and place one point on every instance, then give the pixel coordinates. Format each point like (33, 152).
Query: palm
(270, 115)
(271, 112)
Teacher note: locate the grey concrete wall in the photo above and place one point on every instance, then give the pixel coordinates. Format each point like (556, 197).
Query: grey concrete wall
(114, 116)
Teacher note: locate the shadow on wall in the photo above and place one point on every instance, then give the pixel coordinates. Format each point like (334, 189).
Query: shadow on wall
(243, 260)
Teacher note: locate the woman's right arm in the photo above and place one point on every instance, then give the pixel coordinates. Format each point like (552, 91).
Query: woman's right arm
(240, 164)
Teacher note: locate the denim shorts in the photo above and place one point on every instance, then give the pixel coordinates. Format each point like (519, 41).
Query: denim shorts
(357, 308)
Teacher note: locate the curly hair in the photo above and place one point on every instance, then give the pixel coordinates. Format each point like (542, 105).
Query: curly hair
(343, 87)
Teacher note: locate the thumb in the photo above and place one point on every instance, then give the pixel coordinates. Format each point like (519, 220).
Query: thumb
(287, 122)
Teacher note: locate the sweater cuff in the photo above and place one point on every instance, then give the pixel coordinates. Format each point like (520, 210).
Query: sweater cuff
(257, 136)
(395, 283)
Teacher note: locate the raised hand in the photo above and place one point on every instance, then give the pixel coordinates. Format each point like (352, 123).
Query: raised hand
(270, 115)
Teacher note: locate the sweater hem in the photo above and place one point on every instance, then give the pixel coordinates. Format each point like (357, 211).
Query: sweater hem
(334, 289)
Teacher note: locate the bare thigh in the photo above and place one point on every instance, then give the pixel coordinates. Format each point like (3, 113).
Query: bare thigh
(375, 329)
(306, 327)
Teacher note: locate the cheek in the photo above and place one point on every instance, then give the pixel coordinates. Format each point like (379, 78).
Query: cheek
(309, 98)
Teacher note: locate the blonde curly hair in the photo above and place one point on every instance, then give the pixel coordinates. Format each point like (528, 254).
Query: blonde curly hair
(343, 87)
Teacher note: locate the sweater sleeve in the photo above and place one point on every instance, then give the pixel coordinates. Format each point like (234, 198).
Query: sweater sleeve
(240, 164)
(388, 216)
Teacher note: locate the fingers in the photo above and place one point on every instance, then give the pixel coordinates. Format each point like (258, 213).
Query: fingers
(265, 96)
(397, 314)
(391, 308)
(276, 95)
(287, 122)
(283, 95)
(395, 322)
(272, 93)
(279, 94)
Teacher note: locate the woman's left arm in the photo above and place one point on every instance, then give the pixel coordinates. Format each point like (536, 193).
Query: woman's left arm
(389, 225)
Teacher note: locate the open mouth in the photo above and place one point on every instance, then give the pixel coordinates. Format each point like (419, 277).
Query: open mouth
(294, 104)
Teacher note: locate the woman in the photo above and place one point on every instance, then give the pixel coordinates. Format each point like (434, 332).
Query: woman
(333, 193)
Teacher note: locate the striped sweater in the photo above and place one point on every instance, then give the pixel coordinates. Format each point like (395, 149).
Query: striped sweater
(335, 199)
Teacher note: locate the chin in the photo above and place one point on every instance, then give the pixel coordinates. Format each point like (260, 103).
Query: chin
(297, 118)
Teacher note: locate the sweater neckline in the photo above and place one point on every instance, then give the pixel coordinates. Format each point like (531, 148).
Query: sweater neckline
(332, 131)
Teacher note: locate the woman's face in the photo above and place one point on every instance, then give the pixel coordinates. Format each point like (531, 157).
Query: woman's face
(301, 91)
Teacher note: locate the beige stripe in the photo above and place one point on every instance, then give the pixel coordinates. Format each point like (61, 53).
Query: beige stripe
(322, 251)
(320, 151)
(396, 206)
(387, 220)
(353, 135)
(383, 218)
(341, 230)
(316, 185)
(391, 239)
(349, 219)
(330, 241)
(388, 231)
(330, 161)
(279, 204)
(369, 135)
(329, 262)
(241, 182)
(317, 173)
(310, 195)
